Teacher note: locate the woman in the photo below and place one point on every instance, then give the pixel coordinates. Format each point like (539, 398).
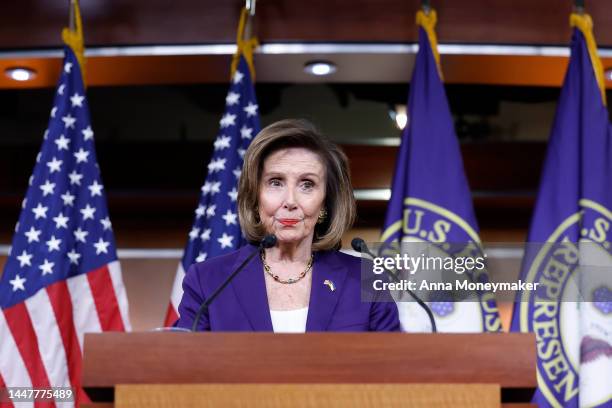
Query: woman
(296, 185)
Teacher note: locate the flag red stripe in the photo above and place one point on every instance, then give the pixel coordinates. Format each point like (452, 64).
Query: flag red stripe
(105, 299)
(171, 315)
(20, 325)
(62, 308)
(3, 394)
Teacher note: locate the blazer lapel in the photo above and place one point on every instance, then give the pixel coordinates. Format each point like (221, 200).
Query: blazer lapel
(250, 289)
(323, 299)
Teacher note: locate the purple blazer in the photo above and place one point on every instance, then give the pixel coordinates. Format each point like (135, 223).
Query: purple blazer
(243, 304)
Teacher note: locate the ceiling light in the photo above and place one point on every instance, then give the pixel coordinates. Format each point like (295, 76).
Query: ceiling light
(399, 116)
(20, 73)
(320, 68)
(608, 74)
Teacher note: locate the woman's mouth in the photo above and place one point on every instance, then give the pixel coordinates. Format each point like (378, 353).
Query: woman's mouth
(289, 222)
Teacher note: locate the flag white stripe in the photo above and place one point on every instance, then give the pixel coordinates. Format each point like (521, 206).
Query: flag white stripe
(177, 288)
(12, 366)
(50, 344)
(84, 310)
(114, 270)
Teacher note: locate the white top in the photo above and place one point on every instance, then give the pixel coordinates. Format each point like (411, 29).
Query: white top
(289, 321)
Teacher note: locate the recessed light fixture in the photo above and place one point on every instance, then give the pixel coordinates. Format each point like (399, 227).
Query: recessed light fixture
(319, 68)
(399, 115)
(20, 73)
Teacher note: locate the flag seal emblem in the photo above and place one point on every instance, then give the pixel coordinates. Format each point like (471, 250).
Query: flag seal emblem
(570, 311)
(424, 221)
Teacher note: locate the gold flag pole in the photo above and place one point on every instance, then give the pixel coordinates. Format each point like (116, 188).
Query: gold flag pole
(245, 41)
(584, 23)
(427, 18)
(73, 36)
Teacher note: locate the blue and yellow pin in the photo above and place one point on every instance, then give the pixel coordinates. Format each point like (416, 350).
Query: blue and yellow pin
(330, 284)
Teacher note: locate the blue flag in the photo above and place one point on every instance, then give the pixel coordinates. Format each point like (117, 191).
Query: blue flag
(215, 230)
(571, 314)
(430, 197)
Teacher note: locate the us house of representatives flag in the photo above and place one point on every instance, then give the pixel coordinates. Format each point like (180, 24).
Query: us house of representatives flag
(62, 278)
(215, 230)
(571, 314)
(430, 196)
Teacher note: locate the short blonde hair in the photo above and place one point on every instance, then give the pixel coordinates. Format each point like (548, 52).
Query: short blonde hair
(339, 201)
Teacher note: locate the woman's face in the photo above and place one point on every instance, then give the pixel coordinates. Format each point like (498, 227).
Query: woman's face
(291, 194)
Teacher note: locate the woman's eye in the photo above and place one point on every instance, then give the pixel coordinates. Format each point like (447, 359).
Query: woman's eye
(307, 184)
(274, 182)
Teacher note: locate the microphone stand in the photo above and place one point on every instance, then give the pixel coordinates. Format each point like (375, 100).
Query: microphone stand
(268, 242)
(359, 245)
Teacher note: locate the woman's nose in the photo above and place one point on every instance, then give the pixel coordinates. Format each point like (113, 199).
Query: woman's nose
(289, 200)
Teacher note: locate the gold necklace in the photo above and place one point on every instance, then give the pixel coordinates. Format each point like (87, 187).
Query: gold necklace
(290, 280)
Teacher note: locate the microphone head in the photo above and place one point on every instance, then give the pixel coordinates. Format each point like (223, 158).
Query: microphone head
(269, 241)
(358, 244)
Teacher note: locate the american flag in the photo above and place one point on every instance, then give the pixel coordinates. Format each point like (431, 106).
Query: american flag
(215, 230)
(62, 278)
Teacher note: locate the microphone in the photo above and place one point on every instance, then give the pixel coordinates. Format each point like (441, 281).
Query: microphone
(360, 246)
(268, 242)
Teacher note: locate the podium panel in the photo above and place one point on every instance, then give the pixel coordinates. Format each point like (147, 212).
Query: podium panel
(506, 360)
(308, 395)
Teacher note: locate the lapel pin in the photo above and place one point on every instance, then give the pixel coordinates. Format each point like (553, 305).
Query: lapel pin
(330, 284)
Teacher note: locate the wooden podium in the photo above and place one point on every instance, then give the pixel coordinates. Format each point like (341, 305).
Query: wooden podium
(309, 370)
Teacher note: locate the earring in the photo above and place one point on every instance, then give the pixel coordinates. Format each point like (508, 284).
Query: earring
(322, 216)
(257, 219)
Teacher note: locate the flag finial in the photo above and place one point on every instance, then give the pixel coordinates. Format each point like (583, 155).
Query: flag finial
(73, 35)
(246, 43)
(425, 6)
(427, 18)
(584, 23)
